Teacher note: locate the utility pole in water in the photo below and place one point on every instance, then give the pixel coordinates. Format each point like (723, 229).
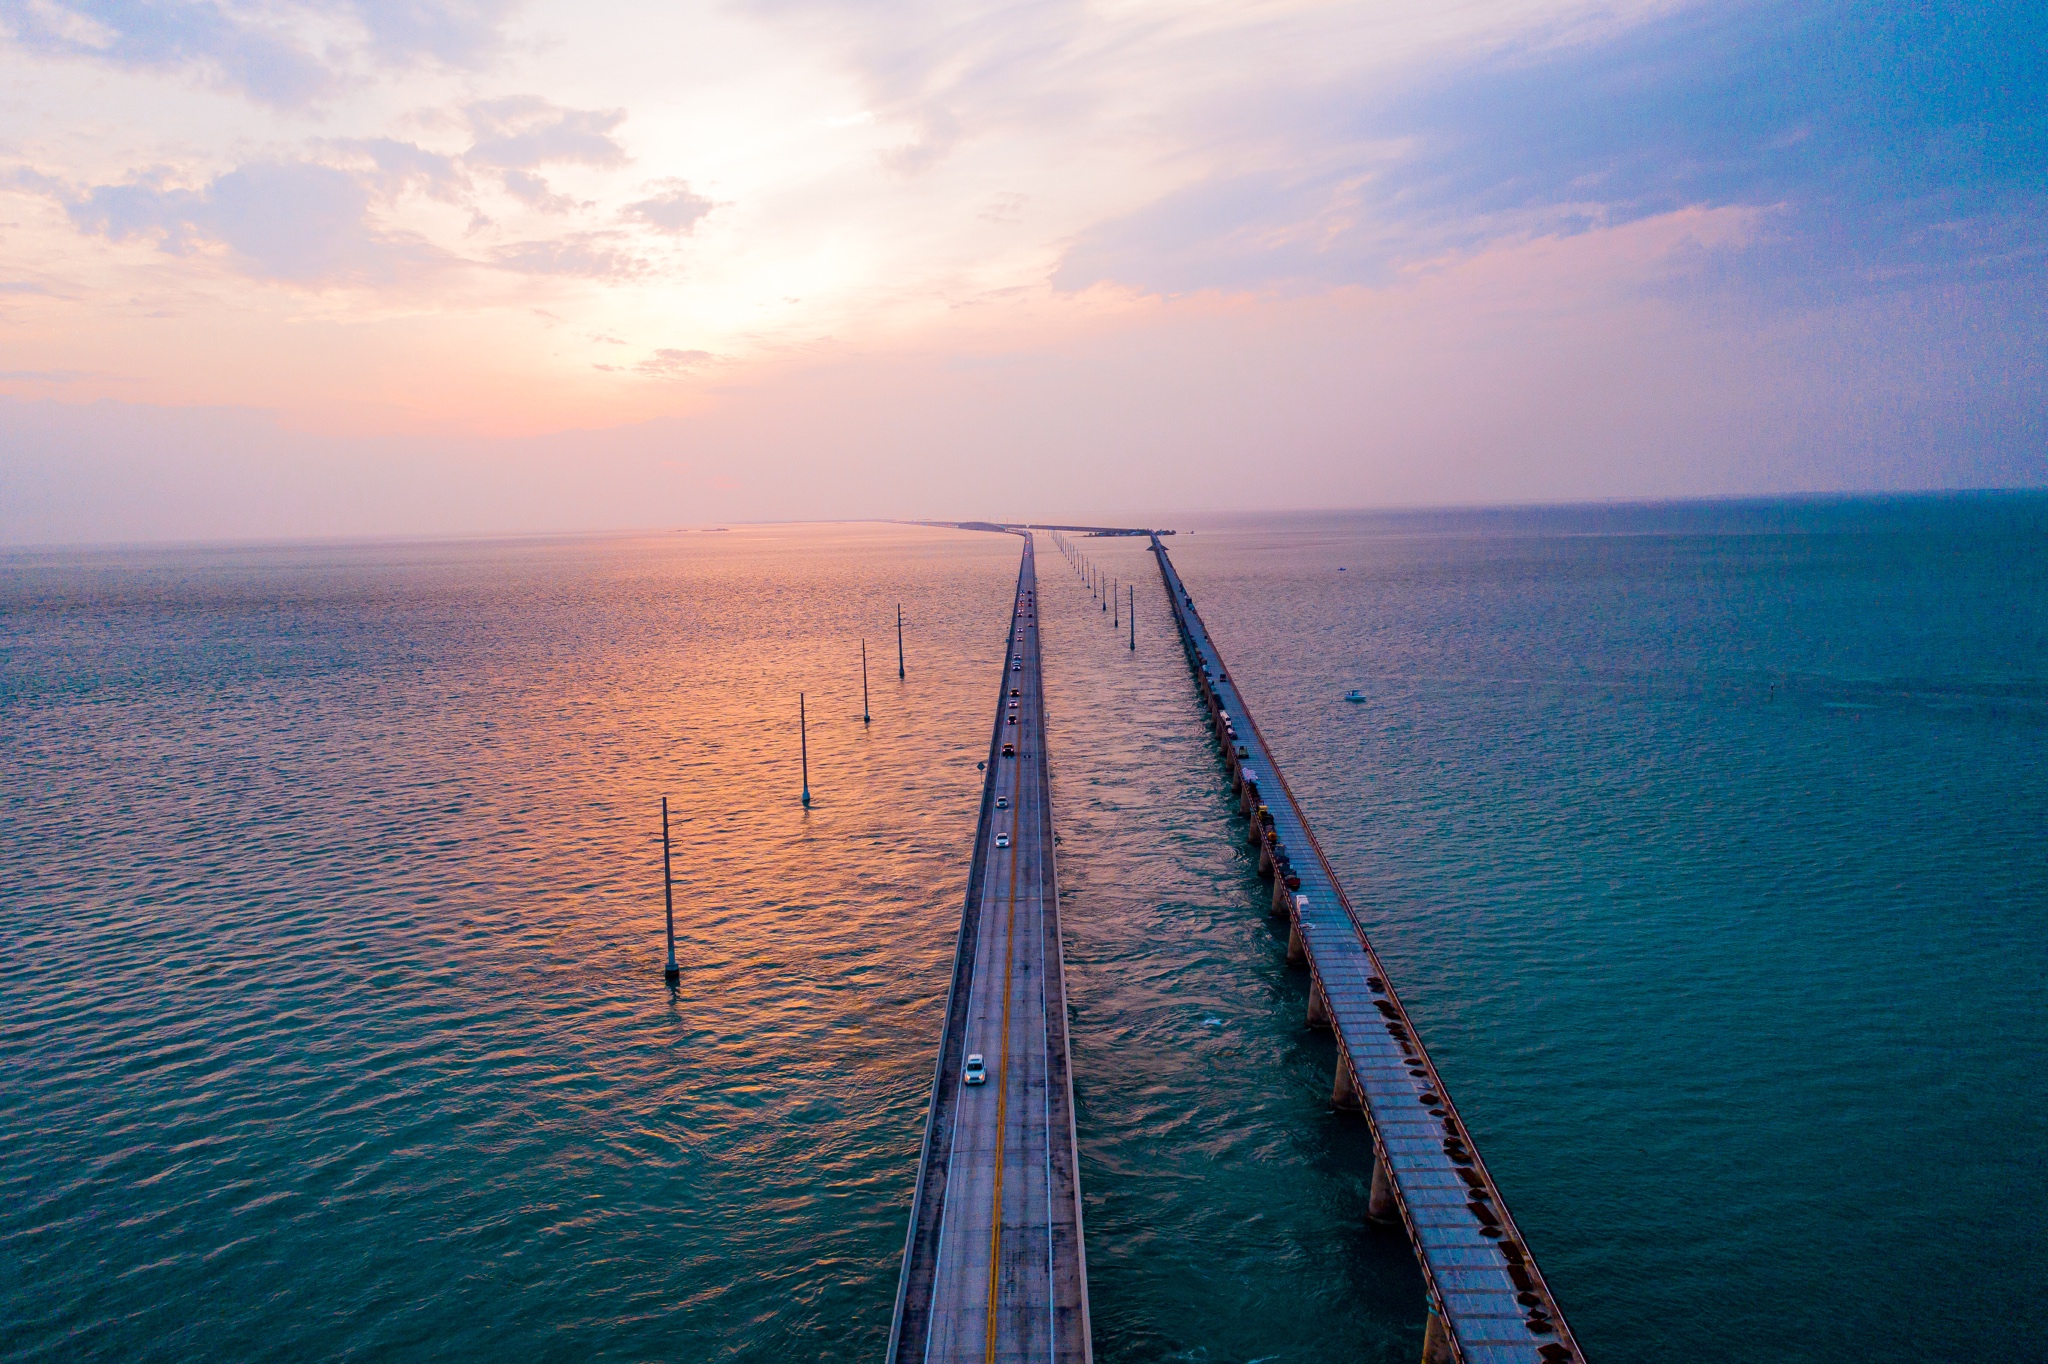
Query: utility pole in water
(899, 641)
(803, 737)
(865, 718)
(672, 973)
(1131, 615)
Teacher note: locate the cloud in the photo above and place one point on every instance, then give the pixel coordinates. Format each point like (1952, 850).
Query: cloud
(1891, 145)
(533, 191)
(674, 364)
(938, 132)
(678, 209)
(460, 33)
(585, 255)
(1252, 231)
(399, 167)
(315, 221)
(296, 221)
(1004, 209)
(282, 54)
(949, 74)
(524, 131)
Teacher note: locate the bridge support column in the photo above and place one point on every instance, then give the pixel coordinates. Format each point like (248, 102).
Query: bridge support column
(1318, 1007)
(1344, 1094)
(1380, 1206)
(1283, 899)
(1436, 1339)
(1297, 950)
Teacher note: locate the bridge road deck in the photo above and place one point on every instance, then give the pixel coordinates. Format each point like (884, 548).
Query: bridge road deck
(1482, 1282)
(994, 1267)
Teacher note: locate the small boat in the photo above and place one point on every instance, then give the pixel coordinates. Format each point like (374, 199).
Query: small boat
(1354, 695)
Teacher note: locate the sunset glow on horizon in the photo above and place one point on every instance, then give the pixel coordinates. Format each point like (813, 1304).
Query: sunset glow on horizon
(802, 258)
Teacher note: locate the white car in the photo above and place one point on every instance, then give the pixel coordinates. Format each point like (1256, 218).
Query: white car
(1002, 802)
(1002, 840)
(974, 1074)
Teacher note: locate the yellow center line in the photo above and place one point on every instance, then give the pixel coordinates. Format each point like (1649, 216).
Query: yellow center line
(995, 1235)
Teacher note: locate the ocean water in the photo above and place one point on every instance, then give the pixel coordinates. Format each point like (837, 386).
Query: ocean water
(330, 1002)
(1709, 845)
(1705, 841)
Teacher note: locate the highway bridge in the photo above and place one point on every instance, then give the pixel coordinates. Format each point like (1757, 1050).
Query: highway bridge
(994, 1269)
(1487, 1301)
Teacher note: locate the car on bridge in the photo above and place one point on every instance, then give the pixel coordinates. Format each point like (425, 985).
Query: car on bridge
(1002, 840)
(1009, 750)
(1002, 802)
(974, 1073)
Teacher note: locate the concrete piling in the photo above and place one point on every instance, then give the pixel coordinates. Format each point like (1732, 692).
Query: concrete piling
(1436, 1340)
(1379, 1205)
(1344, 1091)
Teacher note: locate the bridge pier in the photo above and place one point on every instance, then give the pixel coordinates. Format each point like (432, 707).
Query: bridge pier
(1379, 1204)
(1283, 900)
(1344, 1093)
(1297, 950)
(1436, 1339)
(1318, 1006)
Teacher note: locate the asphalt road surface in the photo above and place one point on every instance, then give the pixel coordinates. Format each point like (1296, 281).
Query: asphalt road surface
(994, 1269)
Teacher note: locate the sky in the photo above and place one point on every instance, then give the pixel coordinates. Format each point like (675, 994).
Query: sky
(271, 268)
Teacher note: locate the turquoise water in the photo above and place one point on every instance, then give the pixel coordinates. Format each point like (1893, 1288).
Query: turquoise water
(1710, 846)
(1705, 842)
